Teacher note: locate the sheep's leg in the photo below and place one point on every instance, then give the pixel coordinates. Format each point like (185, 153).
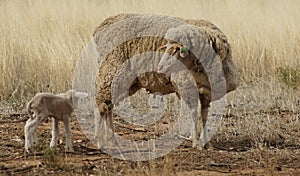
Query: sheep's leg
(32, 138)
(28, 136)
(196, 133)
(98, 127)
(30, 127)
(104, 124)
(104, 129)
(68, 133)
(198, 124)
(111, 128)
(205, 104)
(204, 114)
(54, 132)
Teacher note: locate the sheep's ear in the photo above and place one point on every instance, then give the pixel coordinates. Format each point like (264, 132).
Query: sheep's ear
(80, 94)
(76, 97)
(183, 52)
(162, 47)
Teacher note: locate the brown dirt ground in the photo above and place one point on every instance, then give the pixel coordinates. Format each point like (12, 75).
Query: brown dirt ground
(230, 158)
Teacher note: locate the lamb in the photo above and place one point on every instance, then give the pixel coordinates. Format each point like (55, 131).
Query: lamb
(163, 33)
(59, 107)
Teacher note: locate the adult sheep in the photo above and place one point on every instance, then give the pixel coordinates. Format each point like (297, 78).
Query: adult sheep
(196, 43)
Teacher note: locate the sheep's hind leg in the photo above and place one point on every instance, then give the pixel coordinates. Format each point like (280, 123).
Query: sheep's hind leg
(54, 132)
(29, 130)
(28, 136)
(33, 138)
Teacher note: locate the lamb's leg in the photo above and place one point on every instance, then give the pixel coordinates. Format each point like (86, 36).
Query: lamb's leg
(28, 136)
(32, 138)
(30, 127)
(68, 132)
(55, 132)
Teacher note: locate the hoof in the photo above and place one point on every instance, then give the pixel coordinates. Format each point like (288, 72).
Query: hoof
(70, 149)
(198, 147)
(208, 146)
(28, 150)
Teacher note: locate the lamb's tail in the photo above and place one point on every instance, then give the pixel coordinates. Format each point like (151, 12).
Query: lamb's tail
(28, 107)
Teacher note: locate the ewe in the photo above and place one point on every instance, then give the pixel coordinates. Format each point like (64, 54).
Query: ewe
(198, 44)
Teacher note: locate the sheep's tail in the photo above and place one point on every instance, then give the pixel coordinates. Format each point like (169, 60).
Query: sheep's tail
(28, 107)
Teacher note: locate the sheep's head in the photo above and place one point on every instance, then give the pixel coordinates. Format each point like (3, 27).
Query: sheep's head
(179, 49)
(175, 58)
(74, 97)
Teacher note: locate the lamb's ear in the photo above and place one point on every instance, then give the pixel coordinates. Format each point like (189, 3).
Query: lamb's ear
(162, 47)
(67, 95)
(76, 97)
(80, 94)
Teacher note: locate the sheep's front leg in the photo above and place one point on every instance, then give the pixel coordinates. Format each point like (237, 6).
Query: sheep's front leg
(54, 132)
(204, 115)
(198, 125)
(196, 132)
(103, 125)
(201, 124)
(68, 132)
(111, 135)
(98, 127)
(205, 104)
(107, 129)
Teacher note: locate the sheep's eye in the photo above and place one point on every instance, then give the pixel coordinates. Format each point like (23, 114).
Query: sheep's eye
(182, 50)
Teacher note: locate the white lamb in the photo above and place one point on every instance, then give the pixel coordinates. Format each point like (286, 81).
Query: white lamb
(59, 107)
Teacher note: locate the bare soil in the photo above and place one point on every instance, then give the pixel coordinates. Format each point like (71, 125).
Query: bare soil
(231, 156)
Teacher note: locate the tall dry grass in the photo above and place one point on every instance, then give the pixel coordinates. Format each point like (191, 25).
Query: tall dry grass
(40, 40)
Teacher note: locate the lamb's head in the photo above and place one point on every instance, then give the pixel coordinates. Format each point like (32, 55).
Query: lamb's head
(73, 96)
(179, 51)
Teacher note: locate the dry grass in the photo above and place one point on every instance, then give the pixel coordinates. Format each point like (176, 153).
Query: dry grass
(40, 41)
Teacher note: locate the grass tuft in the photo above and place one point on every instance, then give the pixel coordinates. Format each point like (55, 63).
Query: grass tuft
(289, 76)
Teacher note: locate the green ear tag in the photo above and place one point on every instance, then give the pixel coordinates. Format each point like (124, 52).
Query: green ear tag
(182, 50)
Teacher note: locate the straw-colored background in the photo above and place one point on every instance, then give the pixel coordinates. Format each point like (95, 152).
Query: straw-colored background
(40, 41)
